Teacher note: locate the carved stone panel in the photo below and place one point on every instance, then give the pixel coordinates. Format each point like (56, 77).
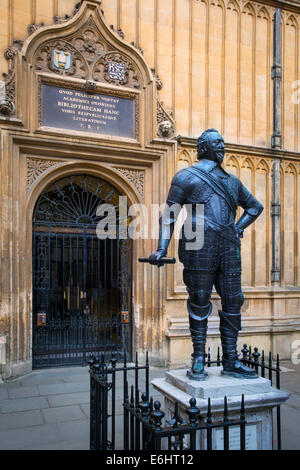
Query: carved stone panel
(136, 177)
(36, 167)
(91, 58)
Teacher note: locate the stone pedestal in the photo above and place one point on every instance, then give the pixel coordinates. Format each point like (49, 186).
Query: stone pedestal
(260, 399)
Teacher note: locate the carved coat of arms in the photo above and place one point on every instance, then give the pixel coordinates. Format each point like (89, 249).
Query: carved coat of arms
(61, 59)
(116, 71)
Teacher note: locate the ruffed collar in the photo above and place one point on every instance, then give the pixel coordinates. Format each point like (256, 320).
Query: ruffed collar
(209, 165)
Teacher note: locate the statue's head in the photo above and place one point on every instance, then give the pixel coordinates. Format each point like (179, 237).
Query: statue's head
(210, 145)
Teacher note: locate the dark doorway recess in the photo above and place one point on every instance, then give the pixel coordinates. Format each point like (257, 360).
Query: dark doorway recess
(81, 284)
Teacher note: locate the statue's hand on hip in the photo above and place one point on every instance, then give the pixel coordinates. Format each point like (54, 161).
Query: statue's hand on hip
(238, 231)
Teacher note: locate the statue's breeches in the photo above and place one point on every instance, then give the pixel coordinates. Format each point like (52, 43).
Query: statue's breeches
(219, 264)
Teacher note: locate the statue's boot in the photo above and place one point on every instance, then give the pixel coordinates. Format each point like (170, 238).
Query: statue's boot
(198, 317)
(230, 325)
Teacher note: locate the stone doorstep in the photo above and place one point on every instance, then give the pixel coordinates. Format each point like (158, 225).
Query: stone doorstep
(217, 385)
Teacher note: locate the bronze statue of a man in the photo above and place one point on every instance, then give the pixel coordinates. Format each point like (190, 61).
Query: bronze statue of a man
(218, 262)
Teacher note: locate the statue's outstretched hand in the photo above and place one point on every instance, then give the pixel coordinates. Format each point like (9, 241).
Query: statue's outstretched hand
(156, 256)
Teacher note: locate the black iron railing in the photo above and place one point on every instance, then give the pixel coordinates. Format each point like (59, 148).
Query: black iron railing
(146, 431)
(142, 421)
(103, 389)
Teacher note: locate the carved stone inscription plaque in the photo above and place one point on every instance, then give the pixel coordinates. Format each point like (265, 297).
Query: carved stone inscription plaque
(65, 108)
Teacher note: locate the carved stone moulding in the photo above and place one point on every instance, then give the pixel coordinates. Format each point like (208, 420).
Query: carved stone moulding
(38, 166)
(136, 177)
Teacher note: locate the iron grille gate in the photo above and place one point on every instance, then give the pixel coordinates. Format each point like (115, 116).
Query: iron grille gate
(81, 295)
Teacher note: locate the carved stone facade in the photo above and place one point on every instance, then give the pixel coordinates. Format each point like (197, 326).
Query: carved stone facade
(211, 79)
(81, 52)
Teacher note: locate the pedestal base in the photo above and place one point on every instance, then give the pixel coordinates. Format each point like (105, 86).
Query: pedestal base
(260, 399)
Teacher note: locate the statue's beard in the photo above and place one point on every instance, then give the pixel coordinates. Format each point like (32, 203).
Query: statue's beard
(219, 157)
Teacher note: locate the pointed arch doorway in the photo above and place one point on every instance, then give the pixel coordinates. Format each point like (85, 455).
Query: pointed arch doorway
(81, 284)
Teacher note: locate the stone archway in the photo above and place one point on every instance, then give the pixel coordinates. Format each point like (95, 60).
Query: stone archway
(81, 284)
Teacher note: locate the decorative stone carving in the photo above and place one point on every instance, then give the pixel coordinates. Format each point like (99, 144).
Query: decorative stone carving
(36, 167)
(7, 100)
(91, 58)
(158, 81)
(137, 47)
(6, 105)
(45, 62)
(63, 19)
(90, 86)
(32, 28)
(136, 177)
(166, 129)
(165, 123)
(118, 31)
(88, 42)
(116, 69)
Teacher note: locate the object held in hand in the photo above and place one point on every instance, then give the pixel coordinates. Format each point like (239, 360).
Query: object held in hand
(163, 260)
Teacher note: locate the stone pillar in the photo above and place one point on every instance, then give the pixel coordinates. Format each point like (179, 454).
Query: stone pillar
(275, 215)
(276, 77)
(276, 144)
(260, 399)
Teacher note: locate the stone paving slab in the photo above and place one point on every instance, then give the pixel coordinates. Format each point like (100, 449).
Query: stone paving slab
(294, 402)
(19, 439)
(33, 380)
(61, 388)
(290, 427)
(23, 404)
(63, 413)
(3, 393)
(77, 378)
(80, 444)
(76, 429)
(69, 399)
(23, 392)
(86, 409)
(21, 420)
